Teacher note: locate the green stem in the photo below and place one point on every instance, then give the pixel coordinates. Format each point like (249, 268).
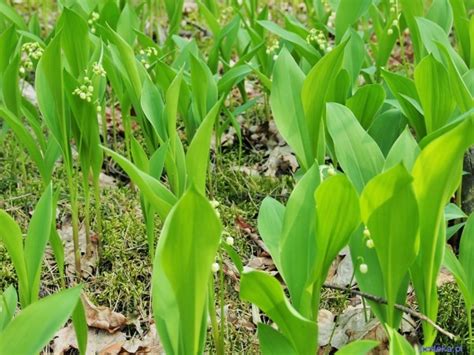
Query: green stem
(75, 220)
(98, 215)
(222, 304)
(212, 313)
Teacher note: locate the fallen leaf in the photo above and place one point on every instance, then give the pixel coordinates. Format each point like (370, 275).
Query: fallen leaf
(101, 317)
(326, 326)
(444, 277)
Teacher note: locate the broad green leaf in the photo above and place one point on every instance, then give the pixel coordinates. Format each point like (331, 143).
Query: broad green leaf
(405, 150)
(398, 344)
(461, 28)
(348, 12)
(314, 95)
(390, 212)
(333, 232)
(74, 41)
(155, 192)
(267, 294)
(298, 252)
(287, 107)
(270, 226)
(50, 92)
(8, 303)
(174, 9)
(459, 88)
(80, 326)
(431, 33)
(181, 270)
(386, 129)
(360, 347)
(35, 326)
(437, 173)
(197, 157)
(432, 84)
(39, 231)
(12, 239)
(153, 107)
(452, 211)
(272, 341)
(441, 13)
(454, 266)
(127, 23)
(204, 88)
(9, 13)
(411, 9)
(402, 88)
(357, 153)
(366, 102)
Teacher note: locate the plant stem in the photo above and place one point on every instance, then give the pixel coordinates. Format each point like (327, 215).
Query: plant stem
(212, 313)
(75, 220)
(98, 215)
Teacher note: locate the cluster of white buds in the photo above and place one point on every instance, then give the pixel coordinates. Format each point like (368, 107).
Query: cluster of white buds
(92, 20)
(318, 37)
(394, 11)
(226, 14)
(86, 90)
(147, 54)
(98, 69)
(369, 243)
(273, 48)
(30, 51)
(331, 19)
(326, 5)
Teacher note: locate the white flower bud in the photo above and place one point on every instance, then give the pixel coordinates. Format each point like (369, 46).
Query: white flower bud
(390, 32)
(331, 171)
(369, 243)
(215, 267)
(82, 95)
(366, 232)
(229, 241)
(363, 268)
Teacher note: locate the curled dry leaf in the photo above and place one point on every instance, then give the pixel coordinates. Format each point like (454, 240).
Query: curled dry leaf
(326, 326)
(101, 317)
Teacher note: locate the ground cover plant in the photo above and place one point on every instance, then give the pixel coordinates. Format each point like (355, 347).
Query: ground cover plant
(236, 176)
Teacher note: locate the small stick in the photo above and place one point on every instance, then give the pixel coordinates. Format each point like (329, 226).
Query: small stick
(397, 306)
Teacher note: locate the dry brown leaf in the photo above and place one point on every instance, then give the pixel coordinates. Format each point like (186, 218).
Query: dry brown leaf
(101, 317)
(88, 262)
(98, 341)
(150, 344)
(261, 263)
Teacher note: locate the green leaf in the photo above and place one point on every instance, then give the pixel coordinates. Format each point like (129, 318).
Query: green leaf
(431, 33)
(461, 28)
(12, 15)
(10, 235)
(265, 292)
(389, 210)
(80, 326)
(432, 84)
(333, 232)
(287, 107)
(314, 95)
(366, 102)
(270, 226)
(186, 249)
(8, 302)
(441, 13)
(348, 12)
(197, 157)
(437, 173)
(403, 88)
(35, 326)
(358, 154)
(398, 344)
(386, 129)
(153, 107)
(155, 192)
(405, 150)
(203, 86)
(39, 231)
(452, 211)
(272, 341)
(454, 266)
(358, 347)
(298, 243)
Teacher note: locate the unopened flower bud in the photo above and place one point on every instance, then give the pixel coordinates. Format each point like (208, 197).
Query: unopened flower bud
(363, 268)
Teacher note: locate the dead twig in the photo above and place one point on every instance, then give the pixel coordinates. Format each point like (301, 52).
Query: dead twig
(397, 306)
